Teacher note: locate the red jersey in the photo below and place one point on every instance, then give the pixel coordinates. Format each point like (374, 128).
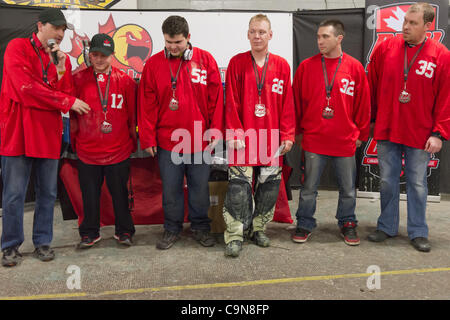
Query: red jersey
(264, 123)
(199, 93)
(30, 109)
(91, 144)
(428, 84)
(350, 101)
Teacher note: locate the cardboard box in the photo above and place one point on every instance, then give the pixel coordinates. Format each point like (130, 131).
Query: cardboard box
(217, 192)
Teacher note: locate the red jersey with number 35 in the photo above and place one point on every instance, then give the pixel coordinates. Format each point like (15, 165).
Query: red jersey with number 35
(91, 144)
(428, 84)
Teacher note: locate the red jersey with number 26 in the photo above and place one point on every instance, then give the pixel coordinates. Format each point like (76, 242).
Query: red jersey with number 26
(263, 125)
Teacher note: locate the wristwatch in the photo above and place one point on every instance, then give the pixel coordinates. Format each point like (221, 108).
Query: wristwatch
(437, 134)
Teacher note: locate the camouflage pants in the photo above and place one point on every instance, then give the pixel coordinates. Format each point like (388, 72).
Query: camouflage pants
(238, 212)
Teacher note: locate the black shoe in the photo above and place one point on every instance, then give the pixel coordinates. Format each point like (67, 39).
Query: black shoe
(44, 253)
(167, 240)
(87, 242)
(378, 236)
(348, 232)
(11, 257)
(204, 238)
(421, 244)
(261, 239)
(124, 239)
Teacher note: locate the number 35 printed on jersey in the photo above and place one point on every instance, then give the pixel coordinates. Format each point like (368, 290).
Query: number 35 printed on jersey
(426, 68)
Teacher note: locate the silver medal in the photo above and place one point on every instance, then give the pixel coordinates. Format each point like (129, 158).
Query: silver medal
(173, 105)
(328, 112)
(260, 110)
(404, 97)
(106, 127)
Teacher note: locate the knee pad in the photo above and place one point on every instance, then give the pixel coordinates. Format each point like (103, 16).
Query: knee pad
(266, 196)
(239, 202)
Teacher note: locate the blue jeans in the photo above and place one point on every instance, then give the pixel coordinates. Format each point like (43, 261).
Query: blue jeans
(197, 177)
(416, 163)
(345, 170)
(16, 173)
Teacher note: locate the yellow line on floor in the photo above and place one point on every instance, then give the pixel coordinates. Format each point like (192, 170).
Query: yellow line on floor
(222, 285)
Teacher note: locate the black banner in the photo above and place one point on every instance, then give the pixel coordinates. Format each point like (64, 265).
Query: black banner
(384, 20)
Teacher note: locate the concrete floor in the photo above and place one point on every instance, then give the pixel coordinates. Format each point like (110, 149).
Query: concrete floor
(322, 268)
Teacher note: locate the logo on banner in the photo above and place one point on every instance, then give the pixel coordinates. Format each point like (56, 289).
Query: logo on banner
(133, 46)
(388, 23)
(370, 160)
(82, 4)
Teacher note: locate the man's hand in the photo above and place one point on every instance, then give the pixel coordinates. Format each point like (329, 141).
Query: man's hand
(210, 147)
(80, 107)
(61, 66)
(358, 143)
(287, 146)
(152, 150)
(433, 145)
(236, 144)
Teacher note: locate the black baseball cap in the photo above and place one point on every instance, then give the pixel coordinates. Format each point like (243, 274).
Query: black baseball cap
(54, 16)
(102, 43)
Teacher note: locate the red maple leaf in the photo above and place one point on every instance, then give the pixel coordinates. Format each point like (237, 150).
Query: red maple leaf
(109, 27)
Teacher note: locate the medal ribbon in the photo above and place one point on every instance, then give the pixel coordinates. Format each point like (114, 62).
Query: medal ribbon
(44, 71)
(406, 68)
(172, 79)
(260, 80)
(103, 99)
(329, 86)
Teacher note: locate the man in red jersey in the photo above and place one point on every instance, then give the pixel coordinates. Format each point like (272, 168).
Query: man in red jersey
(104, 140)
(36, 88)
(410, 83)
(332, 99)
(260, 129)
(181, 96)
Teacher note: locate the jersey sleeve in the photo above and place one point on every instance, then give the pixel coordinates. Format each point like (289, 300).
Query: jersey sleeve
(233, 108)
(441, 88)
(147, 108)
(28, 88)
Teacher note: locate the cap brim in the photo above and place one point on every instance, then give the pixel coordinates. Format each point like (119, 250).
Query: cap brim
(62, 23)
(102, 50)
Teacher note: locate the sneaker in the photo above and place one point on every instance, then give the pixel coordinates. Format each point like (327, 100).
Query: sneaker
(233, 248)
(261, 239)
(301, 235)
(11, 257)
(87, 242)
(348, 232)
(204, 238)
(167, 240)
(124, 239)
(44, 253)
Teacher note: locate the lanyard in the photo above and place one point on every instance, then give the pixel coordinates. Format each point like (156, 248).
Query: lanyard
(260, 81)
(406, 68)
(329, 86)
(103, 99)
(44, 70)
(172, 79)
